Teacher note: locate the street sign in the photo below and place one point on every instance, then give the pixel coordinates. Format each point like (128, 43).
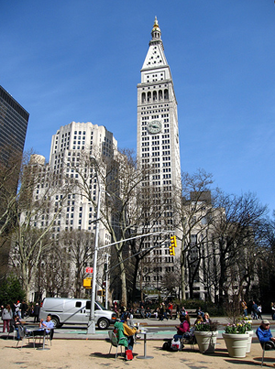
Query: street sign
(87, 283)
(89, 270)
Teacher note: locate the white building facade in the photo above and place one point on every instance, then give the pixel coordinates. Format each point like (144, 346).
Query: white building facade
(79, 151)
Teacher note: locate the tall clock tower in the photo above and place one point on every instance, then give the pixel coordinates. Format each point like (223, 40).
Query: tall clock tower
(157, 127)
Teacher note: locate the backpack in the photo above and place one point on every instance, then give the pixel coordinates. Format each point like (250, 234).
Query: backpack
(172, 345)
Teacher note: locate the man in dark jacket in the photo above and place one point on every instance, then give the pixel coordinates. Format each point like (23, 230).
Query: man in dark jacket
(36, 313)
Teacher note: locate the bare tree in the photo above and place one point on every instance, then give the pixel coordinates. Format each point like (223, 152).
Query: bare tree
(237, 228)
(195, 214)
(34, 218)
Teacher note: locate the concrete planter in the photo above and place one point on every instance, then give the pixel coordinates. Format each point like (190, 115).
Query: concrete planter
(206, 341)
(250, 333)
(236, 344)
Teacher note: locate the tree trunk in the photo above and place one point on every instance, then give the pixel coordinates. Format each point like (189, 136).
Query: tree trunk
(182, 268)
(123, 280)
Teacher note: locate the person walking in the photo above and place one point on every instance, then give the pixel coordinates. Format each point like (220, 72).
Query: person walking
(6, 316)
(254, 310)
(273, 310)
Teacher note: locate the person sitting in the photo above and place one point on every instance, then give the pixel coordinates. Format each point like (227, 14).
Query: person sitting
(183, 312)
(199, 320)
(129, 331)
(44, 326)
(17, 323)
(142, 312)
(148, 312)
(200, 312)
(183, 328)
(265, 336)
(207, 318)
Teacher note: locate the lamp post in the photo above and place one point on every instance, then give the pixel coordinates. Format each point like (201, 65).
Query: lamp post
(91, 323)
(106, 282)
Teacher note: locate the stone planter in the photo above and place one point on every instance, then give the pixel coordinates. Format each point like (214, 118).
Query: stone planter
(206, 341)
(250, 333)
(236, 344)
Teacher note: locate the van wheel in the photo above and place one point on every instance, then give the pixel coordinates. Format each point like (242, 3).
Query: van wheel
(103, 323)
(56, 322)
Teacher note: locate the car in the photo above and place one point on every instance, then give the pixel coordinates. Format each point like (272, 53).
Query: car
(75, 311)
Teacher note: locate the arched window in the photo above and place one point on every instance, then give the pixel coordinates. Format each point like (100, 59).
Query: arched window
(143, 97)
(166, 95)
(160, 95)
(149, 97)
(155, 95)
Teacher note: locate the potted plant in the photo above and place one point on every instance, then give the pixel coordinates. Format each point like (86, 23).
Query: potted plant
(206, 336)
(236, 338)
(249, 331)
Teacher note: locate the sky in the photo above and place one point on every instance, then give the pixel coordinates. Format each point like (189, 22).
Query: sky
(80, 61)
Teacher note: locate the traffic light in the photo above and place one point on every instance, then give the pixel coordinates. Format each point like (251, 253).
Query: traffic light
(101, 293)
(172, 246)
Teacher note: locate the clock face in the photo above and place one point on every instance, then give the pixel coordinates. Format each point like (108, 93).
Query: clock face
(154, 127)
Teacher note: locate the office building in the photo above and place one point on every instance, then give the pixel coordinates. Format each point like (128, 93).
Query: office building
(13, 122)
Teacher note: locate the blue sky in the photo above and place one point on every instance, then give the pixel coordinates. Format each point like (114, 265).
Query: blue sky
(80, 61)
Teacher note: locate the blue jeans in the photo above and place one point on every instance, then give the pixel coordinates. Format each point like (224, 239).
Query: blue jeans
(17, 333)
(130, 343)
(177, 337)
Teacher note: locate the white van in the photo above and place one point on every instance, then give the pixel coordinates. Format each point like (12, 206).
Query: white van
(75, 311)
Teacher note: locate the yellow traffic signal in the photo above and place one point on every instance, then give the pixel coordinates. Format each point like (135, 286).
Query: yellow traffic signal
(171, 250)
(172, 245)
(101, 293)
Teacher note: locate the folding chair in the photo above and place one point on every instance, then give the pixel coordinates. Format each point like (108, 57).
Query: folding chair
(21, 331)
(264, 349)
(11, 330)
(114, 342)
(49, 336)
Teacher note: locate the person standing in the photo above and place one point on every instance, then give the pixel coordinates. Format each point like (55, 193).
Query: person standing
(17, 309)
(24, 308)
(244, 307)
(6, 316)
(36, 311)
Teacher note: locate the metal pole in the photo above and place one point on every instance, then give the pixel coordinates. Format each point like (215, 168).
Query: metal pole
(106, 283)
(91, 324)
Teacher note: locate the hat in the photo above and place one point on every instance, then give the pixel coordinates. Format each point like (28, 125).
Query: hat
(265, 321)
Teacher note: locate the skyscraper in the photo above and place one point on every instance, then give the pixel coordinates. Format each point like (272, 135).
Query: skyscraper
(13, 126)
(157, 130)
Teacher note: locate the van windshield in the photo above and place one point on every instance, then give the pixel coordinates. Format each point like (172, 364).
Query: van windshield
(98, 305)
(101, 306)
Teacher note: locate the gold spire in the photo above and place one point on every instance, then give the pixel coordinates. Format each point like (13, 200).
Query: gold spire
(156, 25)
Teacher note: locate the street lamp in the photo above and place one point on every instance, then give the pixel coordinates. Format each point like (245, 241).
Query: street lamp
(91, 323)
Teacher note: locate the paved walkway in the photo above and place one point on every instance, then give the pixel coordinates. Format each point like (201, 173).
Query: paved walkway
(157, 330)
(79, 354)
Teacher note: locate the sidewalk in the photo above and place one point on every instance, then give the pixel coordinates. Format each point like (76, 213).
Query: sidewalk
(79, 354)
(157, 330)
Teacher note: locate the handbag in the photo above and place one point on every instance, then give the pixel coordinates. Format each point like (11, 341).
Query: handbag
(175, 345)
(129, 355)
